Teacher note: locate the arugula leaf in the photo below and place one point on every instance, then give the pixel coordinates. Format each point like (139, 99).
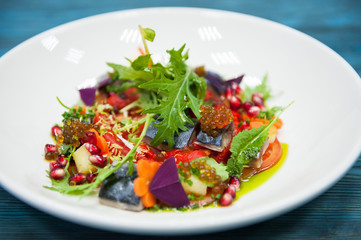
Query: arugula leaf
(247, 144)
(173, 89)
(261, 88)
(178, 97)
(119, 86)
(129, 73)
(141, 63)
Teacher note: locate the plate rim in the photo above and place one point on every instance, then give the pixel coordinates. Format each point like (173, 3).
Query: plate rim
(16, 190)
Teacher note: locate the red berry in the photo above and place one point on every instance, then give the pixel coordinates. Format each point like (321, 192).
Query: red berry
(244, 125)
(90, 177)
(50, 148)
(236, 88)
(53, 165)
(56, 131)
(98, 160)
(77, 179)
(236, 182)
(61, 160)
(235, 103)
(247, 105)
(90, 137)
(231, 189)
(262, 107)
(226, 199)
(57, 173)
(253, 111)
(51, 152)
(257, 98)
(229, 94)
(92, 148)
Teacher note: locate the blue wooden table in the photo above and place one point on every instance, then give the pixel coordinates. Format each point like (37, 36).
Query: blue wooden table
(334, 215)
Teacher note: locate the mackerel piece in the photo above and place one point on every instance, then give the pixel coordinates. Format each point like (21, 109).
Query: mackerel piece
(117, 190)
(180, 140)
(216, 143)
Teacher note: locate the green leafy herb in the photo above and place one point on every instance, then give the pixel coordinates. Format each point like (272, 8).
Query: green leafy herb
(76, 112)
(179, 95)
(129, 73)
(119, 86)
(246, 145)
(269, 113)
(173, 89)
(141, 63)
(149, 35)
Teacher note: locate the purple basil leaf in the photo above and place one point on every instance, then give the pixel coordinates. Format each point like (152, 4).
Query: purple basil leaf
(219, 84)
(166, 186)
(87, 95)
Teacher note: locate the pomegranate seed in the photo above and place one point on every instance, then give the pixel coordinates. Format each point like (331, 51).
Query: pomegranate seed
(253, 111)
(90, 177)
(229, 94)
(235, 181)
(50, 148)
(90, 138)
(257, 98)
(261, 107)
(235, 103)
(98, 160)
(244, 125)
(53, 165)
(238, 90)
(62, 161)
(56, 131)
(51, 152)
(247, 105)
(226, 199)
(92, 148)
(77, 179)
(231, 189)
(57, 173)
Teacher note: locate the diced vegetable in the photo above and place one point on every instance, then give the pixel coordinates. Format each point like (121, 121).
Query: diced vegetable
(197, 187)
(81, 159)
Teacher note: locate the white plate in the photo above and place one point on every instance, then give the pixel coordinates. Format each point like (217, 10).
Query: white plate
(322, 128)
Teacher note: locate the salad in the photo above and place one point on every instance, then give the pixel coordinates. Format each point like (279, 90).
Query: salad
(153, 136)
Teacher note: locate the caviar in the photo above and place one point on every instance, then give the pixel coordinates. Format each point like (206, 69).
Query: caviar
(205, 173)
(74, 130)
(51, 155)
(214, 120)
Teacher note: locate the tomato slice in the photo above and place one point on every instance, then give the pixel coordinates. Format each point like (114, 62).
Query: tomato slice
(112, 139)
(271, 156)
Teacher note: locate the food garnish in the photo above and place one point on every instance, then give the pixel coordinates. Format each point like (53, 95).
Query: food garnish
(163, 136)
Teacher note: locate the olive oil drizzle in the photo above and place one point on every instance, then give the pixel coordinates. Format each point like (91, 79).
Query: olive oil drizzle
(246, 186)
(260, 178)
